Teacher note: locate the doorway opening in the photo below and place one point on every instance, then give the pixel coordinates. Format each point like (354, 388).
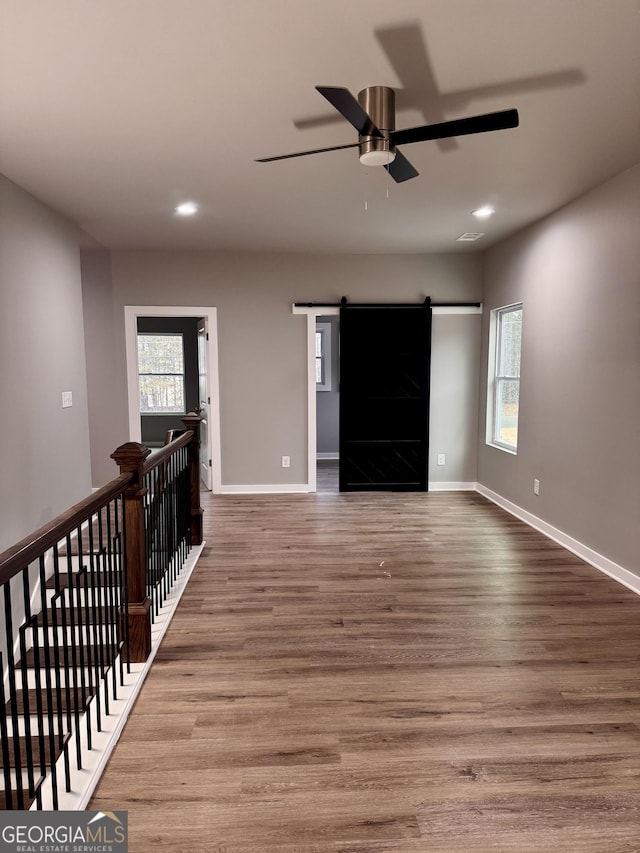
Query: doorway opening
(383, 450)
(182, 377)
(312, 314)
(327, 357)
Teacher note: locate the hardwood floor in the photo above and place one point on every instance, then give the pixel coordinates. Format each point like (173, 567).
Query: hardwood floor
(385, 673)
(327, 476)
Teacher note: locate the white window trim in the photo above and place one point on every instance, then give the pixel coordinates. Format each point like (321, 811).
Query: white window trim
(172, 412)
(325, 329)
(494, 326)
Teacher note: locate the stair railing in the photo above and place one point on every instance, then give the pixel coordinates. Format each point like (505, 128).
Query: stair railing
(77, 602)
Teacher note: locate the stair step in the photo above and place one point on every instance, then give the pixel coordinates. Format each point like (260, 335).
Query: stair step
(28, 800)
(81, 616)
(97, 578)
(71, 637)
(34, 744)
(83, 699)
(40, 724)
(109, 653)
(61, 677)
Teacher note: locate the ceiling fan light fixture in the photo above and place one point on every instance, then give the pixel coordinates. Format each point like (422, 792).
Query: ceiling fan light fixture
(377, 158)
(373, 116)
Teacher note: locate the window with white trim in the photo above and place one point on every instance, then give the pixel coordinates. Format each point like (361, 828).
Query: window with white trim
(503, 392)
(161, 373)
(323, 356)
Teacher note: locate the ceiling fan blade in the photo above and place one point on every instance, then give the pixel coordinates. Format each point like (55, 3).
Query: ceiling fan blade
(348, 106)
(459, 127)
(401, 169)
(305, 153)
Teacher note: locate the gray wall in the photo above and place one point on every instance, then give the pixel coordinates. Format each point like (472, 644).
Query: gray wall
(455, 373)
(106, 365)
(44, 452)
(578, 274)
(263, 379)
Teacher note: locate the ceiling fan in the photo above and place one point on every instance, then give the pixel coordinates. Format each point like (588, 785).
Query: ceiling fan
(373, 116)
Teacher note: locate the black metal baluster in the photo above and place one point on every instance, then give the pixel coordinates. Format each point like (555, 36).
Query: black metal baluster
(30, 625)
(13, 696)
(120, 587)
(41, 715)
(91, 617)
(97, 589)
(110, 610)
(69, 633)
(48, 672)
(83, 653)
(60, 631)
(4, 739)
(58, 664)
(61, 665)
(124, 590)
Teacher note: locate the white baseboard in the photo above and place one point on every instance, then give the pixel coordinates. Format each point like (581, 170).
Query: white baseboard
(452, 487)
(598, 561)
(266, 489)
(303, 488)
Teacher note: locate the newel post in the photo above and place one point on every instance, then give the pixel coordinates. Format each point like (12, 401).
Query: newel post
(131, 457)
(192, 422)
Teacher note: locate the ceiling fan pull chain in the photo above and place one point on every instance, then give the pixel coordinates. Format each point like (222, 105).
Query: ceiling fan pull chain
(366, 190)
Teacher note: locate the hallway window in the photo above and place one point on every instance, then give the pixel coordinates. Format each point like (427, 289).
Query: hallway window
(161, 373)
(504, 377)
(323, 356)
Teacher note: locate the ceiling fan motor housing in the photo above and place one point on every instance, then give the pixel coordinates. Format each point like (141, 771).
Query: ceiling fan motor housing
(379, 102)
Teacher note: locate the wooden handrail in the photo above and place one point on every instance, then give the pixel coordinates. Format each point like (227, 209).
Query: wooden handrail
(14, 559)
(133, 459)
(164, 453)
(134, 465)
(134, 537)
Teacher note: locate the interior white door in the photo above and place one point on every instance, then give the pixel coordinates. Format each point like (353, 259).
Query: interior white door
(204, 404)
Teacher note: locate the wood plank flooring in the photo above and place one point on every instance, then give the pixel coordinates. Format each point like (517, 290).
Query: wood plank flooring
(385, 673)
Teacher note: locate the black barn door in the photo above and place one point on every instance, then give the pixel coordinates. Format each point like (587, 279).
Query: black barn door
(385, 354)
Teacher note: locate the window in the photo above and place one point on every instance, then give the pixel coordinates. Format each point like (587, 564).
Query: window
(161, 373)
(504, 375)
(323, 356)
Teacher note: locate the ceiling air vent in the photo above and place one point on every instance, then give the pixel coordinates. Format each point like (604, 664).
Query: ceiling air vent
(469, 237)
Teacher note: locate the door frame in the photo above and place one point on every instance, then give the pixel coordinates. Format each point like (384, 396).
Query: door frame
(311, 314)
(312, 430)
(131, 314)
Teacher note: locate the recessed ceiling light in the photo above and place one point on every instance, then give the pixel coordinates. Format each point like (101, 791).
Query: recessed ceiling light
(187, 208)
(484, 212)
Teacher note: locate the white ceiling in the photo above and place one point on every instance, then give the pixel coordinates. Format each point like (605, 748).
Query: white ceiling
(113, 111)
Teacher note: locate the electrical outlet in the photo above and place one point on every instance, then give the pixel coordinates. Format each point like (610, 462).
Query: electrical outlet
(536, 487)
(67, 399)
(286, 461)
(441, 459)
